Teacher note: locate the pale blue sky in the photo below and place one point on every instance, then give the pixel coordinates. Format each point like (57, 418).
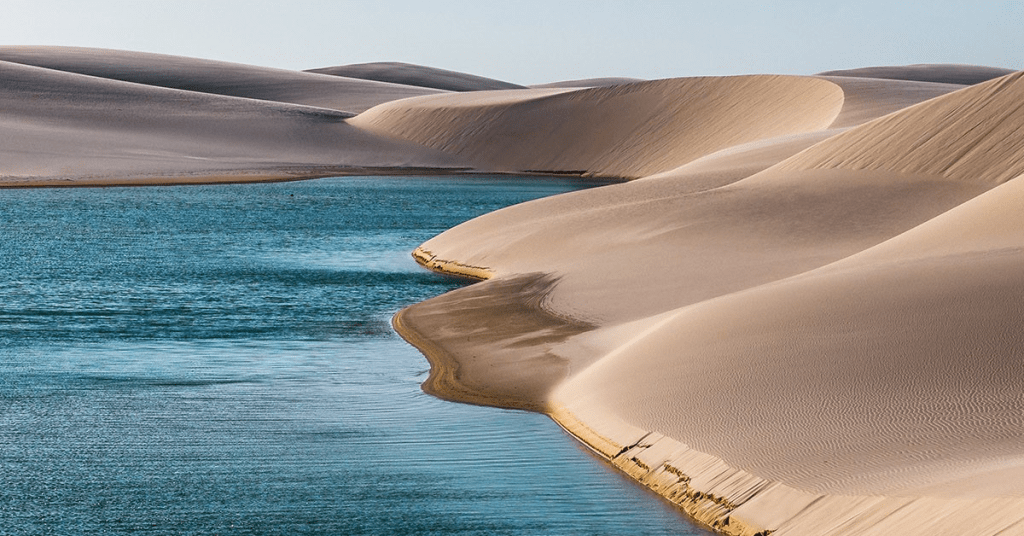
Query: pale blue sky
(533, 41)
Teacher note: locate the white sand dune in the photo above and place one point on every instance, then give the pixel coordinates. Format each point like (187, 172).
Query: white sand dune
(627, 131)
(216, 77)
(416, 75)
(927, 72)
(810, 349)
(973, 135)
(66, 128)
(589, 82)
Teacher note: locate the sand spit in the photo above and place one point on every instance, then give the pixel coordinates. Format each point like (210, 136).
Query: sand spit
(416, 75)
(826, 346)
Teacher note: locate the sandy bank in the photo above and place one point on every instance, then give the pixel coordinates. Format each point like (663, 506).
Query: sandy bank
(825, 346)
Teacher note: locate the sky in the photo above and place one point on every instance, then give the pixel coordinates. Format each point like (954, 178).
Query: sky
(536, 41)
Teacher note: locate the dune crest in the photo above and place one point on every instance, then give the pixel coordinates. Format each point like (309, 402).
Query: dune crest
(215, 77)
(625, 131)
(63, 128)
(928, 72)
(416, 75)
(975, 134)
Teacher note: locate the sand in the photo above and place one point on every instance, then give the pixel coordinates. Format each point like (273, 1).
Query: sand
(61, 127)
(799, 315)
(809, 333)
(416, 75)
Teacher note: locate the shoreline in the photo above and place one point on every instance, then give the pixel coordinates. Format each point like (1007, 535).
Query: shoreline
(271, 176)
(711, 506)
(712, 493)
(705, 507)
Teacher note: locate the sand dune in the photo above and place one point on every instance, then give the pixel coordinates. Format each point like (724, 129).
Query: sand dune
(416, 75)
(66, 128)
(216, 77)
(626, 131)
(941, 73)
(974, 135)
(808, 349)
(589, 82)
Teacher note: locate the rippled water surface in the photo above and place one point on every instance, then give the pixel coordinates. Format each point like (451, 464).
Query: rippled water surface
(219, 360)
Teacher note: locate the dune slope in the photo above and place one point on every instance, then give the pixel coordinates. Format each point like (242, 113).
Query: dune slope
(972, 135)
(625, 131)
(66, 128)
(828, 346)
(941, 73)
(416, 75)
(216, 77)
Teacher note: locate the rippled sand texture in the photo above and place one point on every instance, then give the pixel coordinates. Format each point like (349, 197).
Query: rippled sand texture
(801, 316)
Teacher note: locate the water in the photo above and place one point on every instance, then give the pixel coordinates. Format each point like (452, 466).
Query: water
(219, 360)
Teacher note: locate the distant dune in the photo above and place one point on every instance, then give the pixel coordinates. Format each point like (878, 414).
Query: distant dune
(945, 74)
(416, 75)
(590, 82)
(64, 128)
(799, 316)
(216, 77)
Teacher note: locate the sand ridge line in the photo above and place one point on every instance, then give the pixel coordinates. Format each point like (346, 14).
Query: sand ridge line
(622, 131)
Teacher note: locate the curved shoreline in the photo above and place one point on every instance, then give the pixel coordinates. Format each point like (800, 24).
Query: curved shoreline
(705, 488)
(713, 493)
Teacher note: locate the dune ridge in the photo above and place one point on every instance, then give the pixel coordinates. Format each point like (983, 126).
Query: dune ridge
(416, 75)
(974, 135)
(626, 131)
(941, 73)
(64, 128)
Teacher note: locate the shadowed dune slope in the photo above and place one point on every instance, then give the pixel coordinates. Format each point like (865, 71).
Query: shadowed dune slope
(941, 73)
(625, 131)
(416, 75)
(216, 77)
(57, 126)
(975, 134)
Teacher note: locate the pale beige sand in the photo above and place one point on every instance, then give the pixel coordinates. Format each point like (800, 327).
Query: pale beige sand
(629, 131)
(66, 128)
(948, 74)
(217, 77)
(827, 345)
(590, 82)
(416, 75)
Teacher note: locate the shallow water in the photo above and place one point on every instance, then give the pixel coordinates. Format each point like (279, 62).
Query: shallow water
(219, 359)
